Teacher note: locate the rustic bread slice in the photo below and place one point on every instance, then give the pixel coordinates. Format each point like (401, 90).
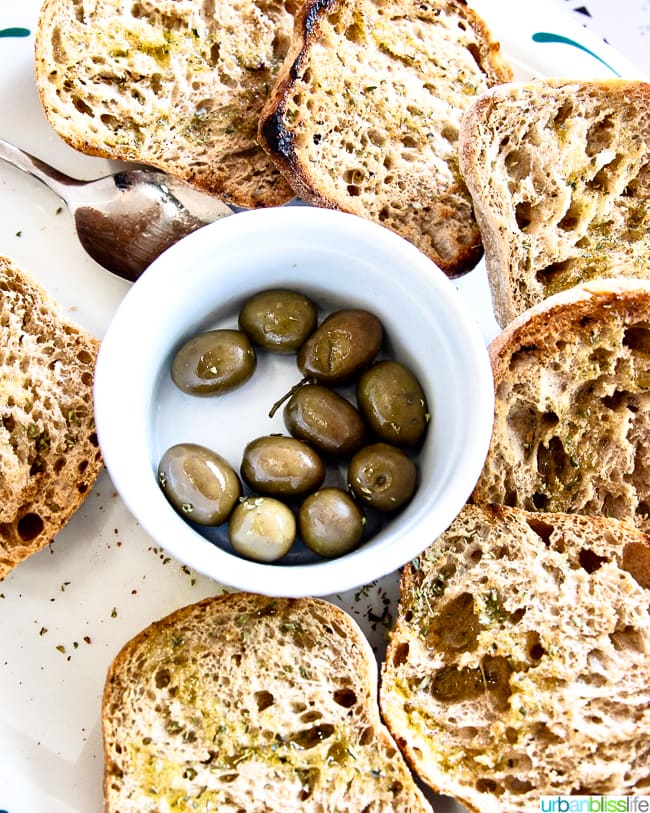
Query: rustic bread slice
(365, 112)
(177, 84)
(49, 456)
(572, 407)
(247, 703)
(559, 172)
(519, 663)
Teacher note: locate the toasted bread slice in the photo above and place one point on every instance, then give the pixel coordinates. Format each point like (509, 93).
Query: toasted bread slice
(572, 413)
(365, 112)
(49, 455)
(177, 85)
(247, 703)
(559, 172)
(519, 663)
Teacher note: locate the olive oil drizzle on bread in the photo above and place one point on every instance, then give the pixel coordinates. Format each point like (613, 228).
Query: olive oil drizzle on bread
(365, 111)
(518, 664)
(559, 173)
(572, 405)
(243, 702)
(49, 454)
(176, 85)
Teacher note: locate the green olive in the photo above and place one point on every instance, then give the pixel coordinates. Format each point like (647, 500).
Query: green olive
(345, 343)
(214, 362)
(262, 529)
(281, 466)
(199, 483)
(391, 400)
(278, 320)
(325, 419)
(330, 522)
(382, 476)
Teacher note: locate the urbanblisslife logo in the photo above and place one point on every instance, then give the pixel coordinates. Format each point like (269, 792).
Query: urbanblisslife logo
(594, 804)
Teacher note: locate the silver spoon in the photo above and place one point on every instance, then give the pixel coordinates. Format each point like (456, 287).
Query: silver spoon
(125, 220)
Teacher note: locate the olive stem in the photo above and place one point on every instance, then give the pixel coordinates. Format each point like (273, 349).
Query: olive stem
(306, 380)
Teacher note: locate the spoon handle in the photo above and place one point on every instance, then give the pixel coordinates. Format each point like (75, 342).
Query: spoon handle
(52, 178)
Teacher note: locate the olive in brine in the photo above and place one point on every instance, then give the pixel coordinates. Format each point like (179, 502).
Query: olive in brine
(325, 419)
(281, 466)
(199, 483)
(345, 343)
(214, 362)
(391, 400)
(262, 529)
(382, 476)
(330, 522)
(278, 320)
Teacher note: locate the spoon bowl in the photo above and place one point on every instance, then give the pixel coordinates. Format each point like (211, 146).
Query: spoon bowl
(124, 221)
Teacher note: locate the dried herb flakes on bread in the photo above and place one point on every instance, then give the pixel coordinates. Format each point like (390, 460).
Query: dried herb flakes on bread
(49, 454)
(572, 405)
(365, 112)
(177, 84)
(559, 173)
(519, 663)
(248, 703)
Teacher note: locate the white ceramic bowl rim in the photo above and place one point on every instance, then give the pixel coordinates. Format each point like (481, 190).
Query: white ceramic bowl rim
(129, 350)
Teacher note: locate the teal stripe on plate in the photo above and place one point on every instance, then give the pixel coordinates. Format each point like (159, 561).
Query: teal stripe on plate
(14, 32)
(544, 37)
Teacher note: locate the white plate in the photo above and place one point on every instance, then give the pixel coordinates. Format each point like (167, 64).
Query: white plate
(66, 611)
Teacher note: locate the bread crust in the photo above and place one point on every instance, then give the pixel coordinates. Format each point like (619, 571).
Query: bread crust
(559, 174)
(572, 402)
(243, 702)
(49, 454)
(176, 85)
(518, 663)
(331, 120)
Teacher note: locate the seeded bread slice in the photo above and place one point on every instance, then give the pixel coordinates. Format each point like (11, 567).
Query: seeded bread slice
(572, 405)
(246, 703)
(365, 112)
(49, 455)
(177, 84)
(519, 663)
(559, 173)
